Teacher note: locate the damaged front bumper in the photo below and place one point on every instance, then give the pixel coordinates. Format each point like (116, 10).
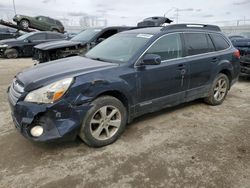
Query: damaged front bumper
(60, 121)
(245, 65)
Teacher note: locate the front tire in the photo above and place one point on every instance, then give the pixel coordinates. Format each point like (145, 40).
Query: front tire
(219, 90)
(104, 122)
(11, 53)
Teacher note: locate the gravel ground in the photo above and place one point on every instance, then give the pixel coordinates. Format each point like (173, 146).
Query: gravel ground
(191, 145)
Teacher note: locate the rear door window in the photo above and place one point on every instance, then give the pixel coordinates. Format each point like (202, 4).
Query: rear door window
(168, 47)
(55, 36)
(38, 37)
(219, 42)
(198, 43)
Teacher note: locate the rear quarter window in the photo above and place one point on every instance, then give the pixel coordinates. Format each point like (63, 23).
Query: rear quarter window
(219, 42)
(198, 43)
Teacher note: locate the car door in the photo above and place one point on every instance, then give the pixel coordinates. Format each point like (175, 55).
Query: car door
(198, 47)
(41, 23)
(33, 40)
(165, 84)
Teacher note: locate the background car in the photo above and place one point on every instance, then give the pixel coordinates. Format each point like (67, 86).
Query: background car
(41, 23)
(78, 45)
(243, 45)
(6, 33)
(23, 45)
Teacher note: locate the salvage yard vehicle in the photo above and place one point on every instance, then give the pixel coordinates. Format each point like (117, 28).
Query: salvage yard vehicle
(23, 45)
(7, 33)
(78, 45)
(129, 74)
(243, 45)
(42, 23)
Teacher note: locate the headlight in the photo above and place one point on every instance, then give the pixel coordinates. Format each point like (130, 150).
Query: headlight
(3, 45)
(49, 93)
(18, 16)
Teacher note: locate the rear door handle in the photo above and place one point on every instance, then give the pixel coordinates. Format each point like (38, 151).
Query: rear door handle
(181, 66)
(215, 59)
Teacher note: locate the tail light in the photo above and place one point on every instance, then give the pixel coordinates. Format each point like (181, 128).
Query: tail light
(237, 54)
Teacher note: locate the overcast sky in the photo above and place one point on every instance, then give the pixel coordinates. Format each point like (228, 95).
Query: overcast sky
(129, 12)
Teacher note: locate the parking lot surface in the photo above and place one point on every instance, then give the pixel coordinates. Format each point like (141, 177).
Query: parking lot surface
(191, 145)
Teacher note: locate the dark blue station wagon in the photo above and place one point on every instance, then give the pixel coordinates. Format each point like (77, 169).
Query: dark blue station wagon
(130, 74)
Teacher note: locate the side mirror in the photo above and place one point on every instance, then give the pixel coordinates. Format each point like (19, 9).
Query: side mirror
(100, 40)
(27, 40)
(151, 59)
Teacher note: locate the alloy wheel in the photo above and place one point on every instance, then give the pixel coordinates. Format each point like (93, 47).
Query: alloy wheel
(105, 122)
(220, 89)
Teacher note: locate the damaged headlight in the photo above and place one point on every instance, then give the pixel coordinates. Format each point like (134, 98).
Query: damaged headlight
(3, 45)
(49, 93)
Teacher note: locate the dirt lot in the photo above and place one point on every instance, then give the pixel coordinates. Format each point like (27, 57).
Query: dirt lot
(191, 145)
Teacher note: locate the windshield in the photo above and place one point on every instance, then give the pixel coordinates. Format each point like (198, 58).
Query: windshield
(24, 36)
(86, 35)
(119, 48)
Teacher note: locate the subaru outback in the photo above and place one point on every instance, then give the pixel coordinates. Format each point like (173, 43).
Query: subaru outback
(131, 73)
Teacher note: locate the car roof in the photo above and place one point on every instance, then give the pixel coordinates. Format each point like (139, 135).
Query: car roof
(47, 32)
(176, 28)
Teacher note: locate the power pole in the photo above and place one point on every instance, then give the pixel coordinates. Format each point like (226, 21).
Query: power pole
(177, 15)
(14, 6)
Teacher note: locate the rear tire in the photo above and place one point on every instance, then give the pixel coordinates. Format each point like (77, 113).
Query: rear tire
(11, 53)
(104, 122)
(55, 30)
(218, 91)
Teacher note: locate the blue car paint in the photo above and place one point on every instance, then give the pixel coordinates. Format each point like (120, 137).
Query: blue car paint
(139, 85)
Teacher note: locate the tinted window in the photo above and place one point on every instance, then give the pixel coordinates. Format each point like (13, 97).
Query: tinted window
(55, 36)
(219, 42)
(38, 36)
(108, 33)
(168, 47)
(198, 43)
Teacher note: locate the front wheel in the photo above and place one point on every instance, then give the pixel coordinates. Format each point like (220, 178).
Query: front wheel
(219, 90)
(11, 53)
(104, 122)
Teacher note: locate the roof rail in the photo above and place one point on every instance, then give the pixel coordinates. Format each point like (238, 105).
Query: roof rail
(192, 26)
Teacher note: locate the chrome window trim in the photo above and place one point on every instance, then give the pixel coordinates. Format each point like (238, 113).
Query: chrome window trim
(230, 46)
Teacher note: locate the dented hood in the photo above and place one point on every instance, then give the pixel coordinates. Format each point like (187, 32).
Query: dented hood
(44, 74)
(57, 44)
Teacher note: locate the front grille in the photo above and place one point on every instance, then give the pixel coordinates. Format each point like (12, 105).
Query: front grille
(15, 91)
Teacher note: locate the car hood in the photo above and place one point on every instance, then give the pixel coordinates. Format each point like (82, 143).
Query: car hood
(57, 44)
(10, 41)
(44, 74)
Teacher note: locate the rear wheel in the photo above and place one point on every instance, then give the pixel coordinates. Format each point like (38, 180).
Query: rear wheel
(24, 23)
(55, 30)
(219, 90)
(11, 53)
(104, 122)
